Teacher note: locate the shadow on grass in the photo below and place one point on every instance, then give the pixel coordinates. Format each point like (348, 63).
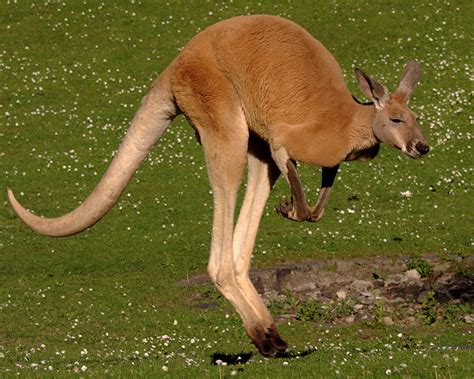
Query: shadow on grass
(242, 358)
(230, 359)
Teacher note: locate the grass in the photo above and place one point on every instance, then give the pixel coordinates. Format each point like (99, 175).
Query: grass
(423, 267)
(105, 301)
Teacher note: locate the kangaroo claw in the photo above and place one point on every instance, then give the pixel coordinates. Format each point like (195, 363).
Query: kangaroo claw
(288, 210)
(285, 207)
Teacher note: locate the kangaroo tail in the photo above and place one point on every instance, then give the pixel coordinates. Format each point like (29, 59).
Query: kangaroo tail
(149, 123)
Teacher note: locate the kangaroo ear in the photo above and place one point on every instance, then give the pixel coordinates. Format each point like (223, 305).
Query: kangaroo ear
(372, 89)
(411, 74)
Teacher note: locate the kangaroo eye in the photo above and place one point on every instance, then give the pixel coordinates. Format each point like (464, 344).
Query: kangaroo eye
(396, 120)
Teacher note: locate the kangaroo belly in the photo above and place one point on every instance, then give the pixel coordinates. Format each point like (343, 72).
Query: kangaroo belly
(311, 144)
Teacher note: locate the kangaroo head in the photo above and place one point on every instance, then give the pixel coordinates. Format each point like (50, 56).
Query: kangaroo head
(394, 123)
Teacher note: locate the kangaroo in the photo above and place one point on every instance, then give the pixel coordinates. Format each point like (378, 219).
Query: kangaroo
(261, 91)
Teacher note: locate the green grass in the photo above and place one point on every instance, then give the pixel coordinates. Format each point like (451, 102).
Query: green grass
(72, 75)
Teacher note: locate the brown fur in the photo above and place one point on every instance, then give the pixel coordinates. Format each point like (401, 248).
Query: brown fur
(258, 90)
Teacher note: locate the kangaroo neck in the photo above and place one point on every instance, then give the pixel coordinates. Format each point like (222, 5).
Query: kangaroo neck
(364, 143)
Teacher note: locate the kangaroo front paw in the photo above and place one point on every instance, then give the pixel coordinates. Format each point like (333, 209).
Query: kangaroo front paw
(285, 207)
(315, 216)
(288, 210)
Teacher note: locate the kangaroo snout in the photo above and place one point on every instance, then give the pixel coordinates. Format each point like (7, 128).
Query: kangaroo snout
(422, 148)
(416, 149)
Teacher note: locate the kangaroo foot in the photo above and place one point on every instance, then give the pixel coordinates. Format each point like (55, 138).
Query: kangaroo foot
(268, 341)
(276, 341)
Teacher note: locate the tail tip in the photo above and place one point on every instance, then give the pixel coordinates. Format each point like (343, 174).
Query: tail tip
(10, 194)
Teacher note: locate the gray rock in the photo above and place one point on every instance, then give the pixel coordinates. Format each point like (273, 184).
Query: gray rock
(412, 320)
(358, 307)
(361, 285)
(422, 296)
(367, 298)
(378, 283)
(349, 319)
(394, 280)
(341, 294)
(413, 275)
(302, 286)
(396, 300)
(469, 319)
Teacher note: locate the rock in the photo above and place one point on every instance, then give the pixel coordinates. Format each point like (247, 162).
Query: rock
(422, 296)
(313, 295)
(387, 320)
(358, 307)
(468, 319)
(412, 320)
(303, 286)
(341, 294)
(449, 287)
(442, 267)
(412, 275)
(395, 280)
(361, 285)
(264, 281)
(413, 291)
(378, 283)
(396, 300)
(367, 298)
(402, 291)
(349, 319)
(328, 292)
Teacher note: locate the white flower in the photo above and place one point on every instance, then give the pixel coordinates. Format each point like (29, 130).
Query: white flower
(388, 372)
(406, 194)
(164, 368)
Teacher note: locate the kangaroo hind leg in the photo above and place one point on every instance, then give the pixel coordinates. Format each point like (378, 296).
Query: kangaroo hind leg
(225, 161)
(262, 174)
(224, 135)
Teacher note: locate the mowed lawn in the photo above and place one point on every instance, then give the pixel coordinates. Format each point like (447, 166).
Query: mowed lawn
(105, 302)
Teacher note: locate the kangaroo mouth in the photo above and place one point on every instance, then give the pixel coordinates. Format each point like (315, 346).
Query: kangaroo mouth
(416, 150)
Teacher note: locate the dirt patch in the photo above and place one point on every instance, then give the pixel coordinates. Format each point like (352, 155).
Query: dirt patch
(401, 289)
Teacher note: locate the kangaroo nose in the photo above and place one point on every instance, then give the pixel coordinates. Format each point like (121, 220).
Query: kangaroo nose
(422, 148)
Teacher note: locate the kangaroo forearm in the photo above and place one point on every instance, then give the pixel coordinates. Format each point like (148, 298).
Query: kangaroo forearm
(303, 211)
(327, 181)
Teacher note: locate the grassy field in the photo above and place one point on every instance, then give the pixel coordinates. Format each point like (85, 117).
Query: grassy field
(105, 302)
